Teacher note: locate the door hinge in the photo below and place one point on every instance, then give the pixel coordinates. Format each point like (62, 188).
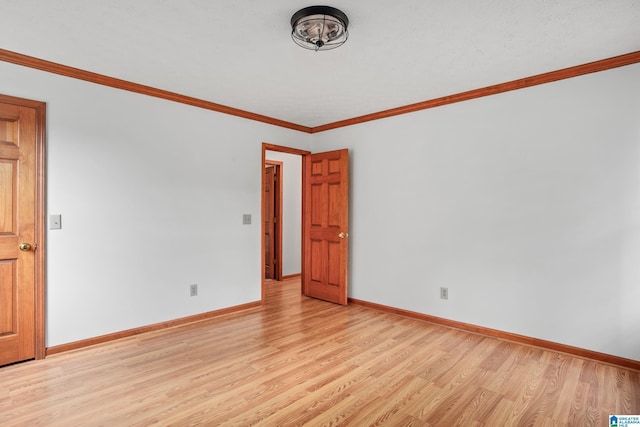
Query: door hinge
(275, 261)
(275, 220)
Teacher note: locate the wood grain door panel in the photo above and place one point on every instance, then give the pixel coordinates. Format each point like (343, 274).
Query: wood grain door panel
(272, 217)
(17, 225)
(269, 229)
(326, 226)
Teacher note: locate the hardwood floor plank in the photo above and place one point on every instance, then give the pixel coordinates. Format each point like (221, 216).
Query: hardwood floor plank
(301, 361)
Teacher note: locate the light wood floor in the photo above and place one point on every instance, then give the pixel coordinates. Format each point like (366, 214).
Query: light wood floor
(302, 361)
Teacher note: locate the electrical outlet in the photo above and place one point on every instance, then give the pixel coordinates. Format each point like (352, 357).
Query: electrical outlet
(444, 293)
(193, 290)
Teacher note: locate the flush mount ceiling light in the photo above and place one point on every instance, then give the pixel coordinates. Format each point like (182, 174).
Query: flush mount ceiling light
(319, 28)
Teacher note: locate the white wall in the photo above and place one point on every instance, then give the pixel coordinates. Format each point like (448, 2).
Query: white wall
(291, 210)
(151, 195)
(526, 205)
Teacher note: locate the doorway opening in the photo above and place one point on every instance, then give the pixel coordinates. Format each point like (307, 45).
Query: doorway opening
(323, 231)
(282, 240)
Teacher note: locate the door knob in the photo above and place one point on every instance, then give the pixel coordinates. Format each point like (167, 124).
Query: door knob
(25, 247)
(342, 235)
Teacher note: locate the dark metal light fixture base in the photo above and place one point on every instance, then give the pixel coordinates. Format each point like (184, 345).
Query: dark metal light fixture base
(319, 28)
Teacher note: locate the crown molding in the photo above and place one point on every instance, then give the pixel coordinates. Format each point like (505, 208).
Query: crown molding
(552, 76)
(76, 73)
(565, 73)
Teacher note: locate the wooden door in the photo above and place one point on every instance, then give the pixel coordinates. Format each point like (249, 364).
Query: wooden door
(272, 217)
(269, 225)
(326, 230)
(17, 232)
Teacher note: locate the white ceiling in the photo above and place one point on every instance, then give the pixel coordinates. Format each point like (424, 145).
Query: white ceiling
(240, 54)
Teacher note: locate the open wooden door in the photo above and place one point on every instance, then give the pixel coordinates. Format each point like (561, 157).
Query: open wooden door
(19, 296)
(269, 224)
(272, 217)
(326, 229)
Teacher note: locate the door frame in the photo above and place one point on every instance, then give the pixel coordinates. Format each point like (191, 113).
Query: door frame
(277, 208)
(40, 219)
(282, 149)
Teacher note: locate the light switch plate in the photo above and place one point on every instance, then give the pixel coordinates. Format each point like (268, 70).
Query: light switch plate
(55, 222)
(246, 219)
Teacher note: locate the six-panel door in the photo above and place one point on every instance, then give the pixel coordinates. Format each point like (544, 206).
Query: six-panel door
(327, 226)
(17, 219)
